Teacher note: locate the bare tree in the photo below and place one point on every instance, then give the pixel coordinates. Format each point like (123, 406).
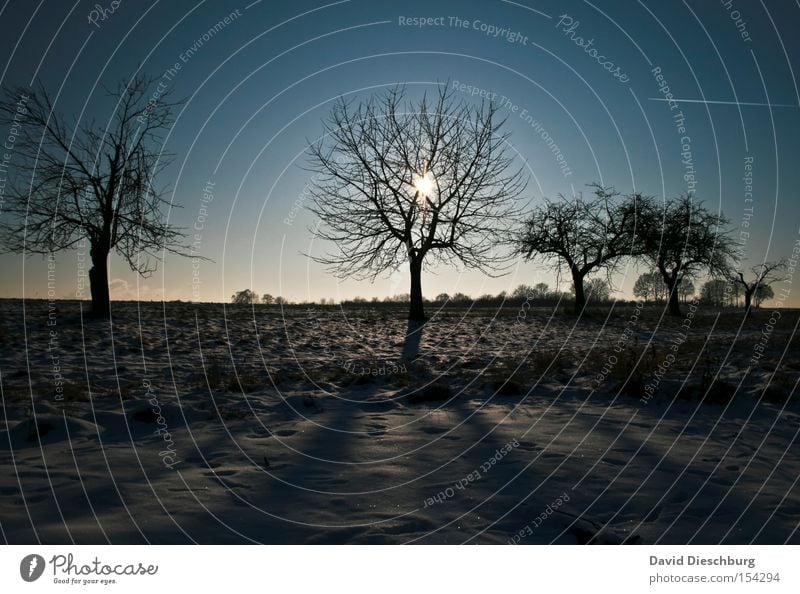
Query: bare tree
(716, 292)
(91, 182)
(522, 292)
(762, 294)
(650, 284)
(425, 184)
(686, 289)
(762, 276)
(598, 290)
(680, 238)
(582, 235)
(541, 291)
(244, 297)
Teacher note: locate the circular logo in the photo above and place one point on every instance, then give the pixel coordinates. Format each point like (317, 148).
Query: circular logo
(31, 567)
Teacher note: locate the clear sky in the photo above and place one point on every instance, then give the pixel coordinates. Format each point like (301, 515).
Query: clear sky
(259, 87)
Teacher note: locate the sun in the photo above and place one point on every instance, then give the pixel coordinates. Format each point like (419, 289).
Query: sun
(424, 184)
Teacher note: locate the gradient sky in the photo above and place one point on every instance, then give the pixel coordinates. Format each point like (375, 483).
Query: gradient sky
(258, 90)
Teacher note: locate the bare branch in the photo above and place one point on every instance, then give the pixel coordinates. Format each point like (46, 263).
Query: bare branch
(365, 167)
(93, 181)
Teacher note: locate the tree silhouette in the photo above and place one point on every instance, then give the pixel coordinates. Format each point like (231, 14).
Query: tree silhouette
(762, 276)
(680, 238)
(650, 285)
(685, 288)
(92, 182)
(582, 235)
(598, 290)
(522, 292)
(763, 293)
(244, 297)
(541, 291)
(419, 185)
(717, 292)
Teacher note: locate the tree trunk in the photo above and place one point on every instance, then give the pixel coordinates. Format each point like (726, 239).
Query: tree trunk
(580, 295)
(98, 282)
(674, 304)
(417, 310)
(672, 281)
(748, 300)
(674, 301)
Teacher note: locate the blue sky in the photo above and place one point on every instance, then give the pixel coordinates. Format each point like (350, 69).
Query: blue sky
(259, 88)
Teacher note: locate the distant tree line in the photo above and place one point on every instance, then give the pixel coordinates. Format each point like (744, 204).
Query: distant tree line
(735, 289)
(649, 287)
(249, 297)
(598, 291)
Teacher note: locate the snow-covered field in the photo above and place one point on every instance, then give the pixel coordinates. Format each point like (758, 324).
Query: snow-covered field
(217, 424)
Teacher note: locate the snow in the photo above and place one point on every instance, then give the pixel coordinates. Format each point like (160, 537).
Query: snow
(216, 424)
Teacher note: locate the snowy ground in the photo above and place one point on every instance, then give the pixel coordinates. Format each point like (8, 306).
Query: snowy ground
(202, 423)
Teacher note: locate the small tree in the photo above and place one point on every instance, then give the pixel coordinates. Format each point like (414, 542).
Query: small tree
(244, 297)
(522, 292)
(680, 238)
(442, 298)
(685, 289)
(762, 294)
(268, 299)
(650, 285)
(425, 184)
(716, 292)
(598, 290)
(91, 182)
(761, 277)
(541, 291)
(582, 235)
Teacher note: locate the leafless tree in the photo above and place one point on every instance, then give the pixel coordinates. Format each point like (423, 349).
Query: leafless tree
(686, 288)
(85, 181)
(761, 276)
(762, 294)
(681, 237)
(650, 284)
(716, 293)
(244, 297)
(582, 234)
(598, 290)
(420, 184)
